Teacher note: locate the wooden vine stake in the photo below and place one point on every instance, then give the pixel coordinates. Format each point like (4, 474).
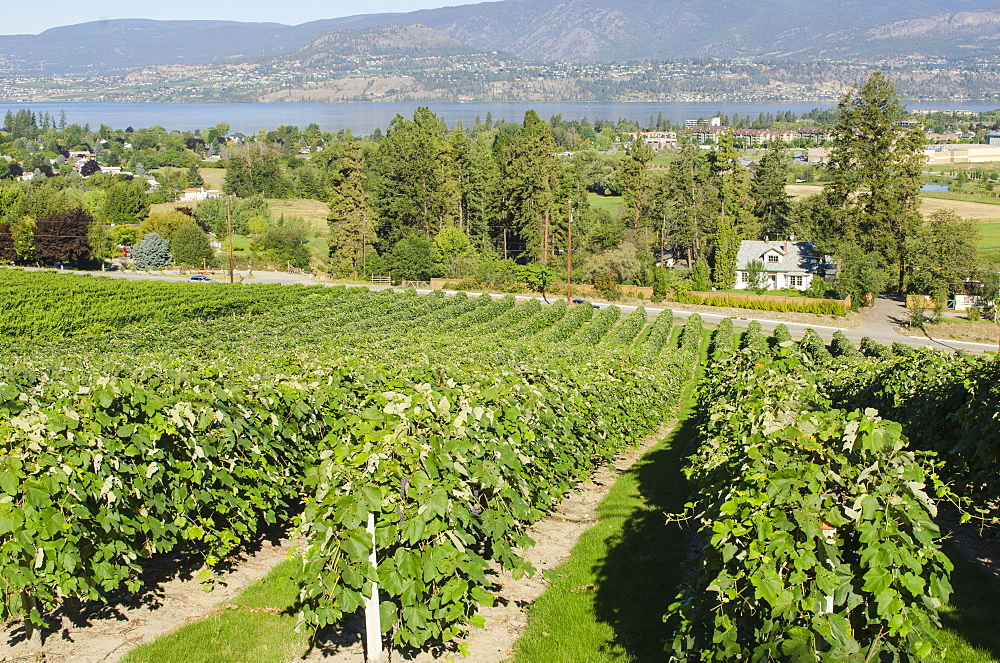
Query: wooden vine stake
(32, 633)
(373, 619)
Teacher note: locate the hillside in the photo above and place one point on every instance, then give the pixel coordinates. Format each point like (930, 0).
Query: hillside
(545, 31)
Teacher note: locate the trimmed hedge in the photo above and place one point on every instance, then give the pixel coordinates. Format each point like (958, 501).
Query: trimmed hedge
(833, 307)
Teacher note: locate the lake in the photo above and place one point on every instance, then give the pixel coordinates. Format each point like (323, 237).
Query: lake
(936, 188)
(363, 118)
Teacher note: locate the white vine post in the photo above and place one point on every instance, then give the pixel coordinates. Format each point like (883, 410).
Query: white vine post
(830, 534)
(373, 619)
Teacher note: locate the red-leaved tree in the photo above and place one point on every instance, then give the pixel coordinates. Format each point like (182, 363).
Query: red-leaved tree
(63, 237)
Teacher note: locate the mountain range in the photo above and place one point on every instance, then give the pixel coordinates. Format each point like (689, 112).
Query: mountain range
(549, 31)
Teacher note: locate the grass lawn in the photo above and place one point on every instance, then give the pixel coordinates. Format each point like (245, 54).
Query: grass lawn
(970, 631)
(240, 243)
(213, 177)
(613, 204)
(606, 602)
(257, 627)
(962, 196)
(989, 239)
(313, 211)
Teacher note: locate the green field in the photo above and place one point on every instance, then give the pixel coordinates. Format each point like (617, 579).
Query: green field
(613, 204)
(989, 239)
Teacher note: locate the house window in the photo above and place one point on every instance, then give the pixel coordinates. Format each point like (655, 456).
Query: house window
(744, 277)
(772, 257)
(795, 281)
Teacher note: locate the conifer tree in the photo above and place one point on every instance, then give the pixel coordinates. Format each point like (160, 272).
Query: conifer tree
(875, 168)
(153, 252)
(413, 185)
(478, 176)
(767, 188)
(194, 177)
(735, 220)
(530, 172)
(634, 180)
(351, 220)
(692, 195)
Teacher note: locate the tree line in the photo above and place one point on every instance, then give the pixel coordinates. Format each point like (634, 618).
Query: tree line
(491, 203)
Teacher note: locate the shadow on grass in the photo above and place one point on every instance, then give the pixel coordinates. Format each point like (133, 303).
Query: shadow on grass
(640, 575)
(974, 616)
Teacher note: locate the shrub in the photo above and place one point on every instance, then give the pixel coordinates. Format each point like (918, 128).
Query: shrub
(153, 252)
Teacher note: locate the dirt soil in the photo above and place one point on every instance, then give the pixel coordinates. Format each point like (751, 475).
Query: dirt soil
(964, 208)
(171, 597)
(977, 542)
(554, 536)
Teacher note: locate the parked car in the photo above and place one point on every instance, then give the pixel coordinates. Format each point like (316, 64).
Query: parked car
(202, 278)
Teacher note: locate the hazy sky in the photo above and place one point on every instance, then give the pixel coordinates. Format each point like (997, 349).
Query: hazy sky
(32, 18)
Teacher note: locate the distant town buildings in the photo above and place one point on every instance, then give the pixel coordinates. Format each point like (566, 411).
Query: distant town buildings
(658, 140)
(940, 155)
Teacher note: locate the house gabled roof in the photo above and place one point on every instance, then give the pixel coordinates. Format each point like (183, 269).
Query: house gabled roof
(794, 257)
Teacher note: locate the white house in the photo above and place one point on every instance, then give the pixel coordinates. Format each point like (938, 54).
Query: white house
(199, 193)
(787, 264)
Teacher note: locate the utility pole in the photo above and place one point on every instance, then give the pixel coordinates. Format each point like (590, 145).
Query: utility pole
(663, 238)
(504, 243)
(545, 238)
(364, 252)
(569, 252)
(229, 228)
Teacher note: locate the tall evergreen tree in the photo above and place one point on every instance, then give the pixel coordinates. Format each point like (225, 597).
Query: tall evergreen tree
(875, 168)
(634, 180)
(735, 221)
(727, 246)
(692, 194)
(351, 219)
(194, 177)
(478, 175)
(412, 181)
(529, 172)
(771, 201)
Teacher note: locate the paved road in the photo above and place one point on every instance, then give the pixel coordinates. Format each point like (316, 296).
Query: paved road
(879, 322)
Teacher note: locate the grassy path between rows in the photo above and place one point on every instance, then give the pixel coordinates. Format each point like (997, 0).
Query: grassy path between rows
(606, 602)
(257, 627)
